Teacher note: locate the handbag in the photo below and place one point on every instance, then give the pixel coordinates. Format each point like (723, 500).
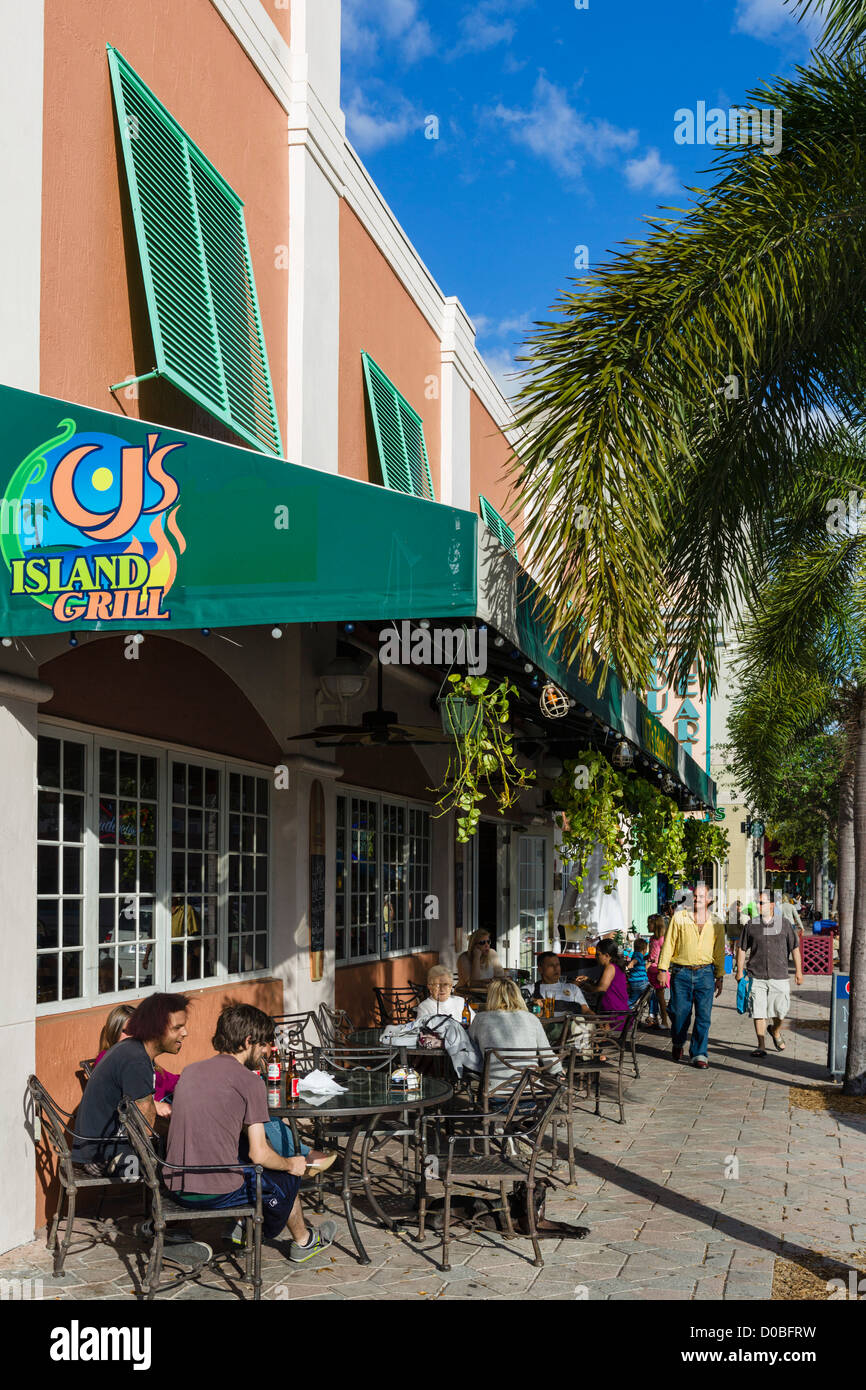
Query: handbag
(429, 1037)
(744, 994)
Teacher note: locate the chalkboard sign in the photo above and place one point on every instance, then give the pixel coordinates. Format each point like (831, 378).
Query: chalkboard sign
(317, 881)
(837, 1049)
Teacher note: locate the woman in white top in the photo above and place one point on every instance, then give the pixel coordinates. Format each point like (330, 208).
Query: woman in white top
(441, 1001)
(478, 964)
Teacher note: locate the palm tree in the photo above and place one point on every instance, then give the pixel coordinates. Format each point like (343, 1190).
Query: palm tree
(686, 391)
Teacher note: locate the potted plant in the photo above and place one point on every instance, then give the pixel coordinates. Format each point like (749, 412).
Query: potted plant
(656, 830)
(476, 715)
(589, 795)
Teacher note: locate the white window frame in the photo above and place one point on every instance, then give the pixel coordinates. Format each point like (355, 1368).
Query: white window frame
(380, 799)
(93, 738)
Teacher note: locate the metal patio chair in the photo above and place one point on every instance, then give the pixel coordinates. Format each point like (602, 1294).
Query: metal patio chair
(87, 1066)
(301, 1034)
(335, 1026)
(165, 1209)
(398, 1004)
(73, 1176)
(511, 1143)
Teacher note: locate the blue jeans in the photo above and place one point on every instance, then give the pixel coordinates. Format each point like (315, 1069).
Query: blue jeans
(692, 989)
(279, 1193)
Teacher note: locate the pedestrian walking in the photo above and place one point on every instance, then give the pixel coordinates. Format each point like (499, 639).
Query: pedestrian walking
(658, 1003)
(769, 940)
(693, 958)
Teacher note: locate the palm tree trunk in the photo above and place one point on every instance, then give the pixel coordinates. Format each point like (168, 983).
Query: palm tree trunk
(845, 873)
(855, 1072)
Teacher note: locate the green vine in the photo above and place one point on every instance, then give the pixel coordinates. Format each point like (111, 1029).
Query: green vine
(704, 842)
(589, 795)
(482, 762)
(657, 830)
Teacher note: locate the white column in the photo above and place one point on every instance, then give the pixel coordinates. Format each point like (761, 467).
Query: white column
(458, 346)
(316, 134)
(18, 701)
(21, 68)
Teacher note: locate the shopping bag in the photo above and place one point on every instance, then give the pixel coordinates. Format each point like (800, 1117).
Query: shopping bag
(744, 994)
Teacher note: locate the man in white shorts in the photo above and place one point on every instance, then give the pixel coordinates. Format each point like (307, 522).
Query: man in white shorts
(769, 939)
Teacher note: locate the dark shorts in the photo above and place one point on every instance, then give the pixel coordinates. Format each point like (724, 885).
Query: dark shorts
(279, 1193)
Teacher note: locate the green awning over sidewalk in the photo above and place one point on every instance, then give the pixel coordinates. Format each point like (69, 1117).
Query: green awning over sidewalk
(115, 524)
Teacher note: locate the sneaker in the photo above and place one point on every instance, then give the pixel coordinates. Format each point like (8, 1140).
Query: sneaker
(237, 1235)
(700, 1062)
(174, 1235)
(322, 1236)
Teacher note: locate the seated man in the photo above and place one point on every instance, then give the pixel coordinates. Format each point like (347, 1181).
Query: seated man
(157, 1026)
(550, 986)
(219, 1115)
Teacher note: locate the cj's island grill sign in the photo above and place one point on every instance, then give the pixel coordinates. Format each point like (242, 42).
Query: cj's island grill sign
(101, 539)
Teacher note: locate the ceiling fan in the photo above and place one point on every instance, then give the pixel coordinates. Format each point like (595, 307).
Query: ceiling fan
(378, 727)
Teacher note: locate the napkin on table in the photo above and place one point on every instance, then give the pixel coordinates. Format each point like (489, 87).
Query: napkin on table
(321, 1083)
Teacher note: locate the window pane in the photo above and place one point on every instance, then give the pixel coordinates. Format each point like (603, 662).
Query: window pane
(46, 979)
(107, 770)
(211, 788)
(177, 962)
(73, 768)
(178, 783)
(48, 816)
(106, 972)
(48, 762)
(72, 870)
(47, 870)
(196, 785)
(73, 819)
(107, 821)
(128, 823)
(72, 974)
(107, 862)
(72, 923)
(147, 818)
(147, 871)
(148, 770)
(128, 782)
(47, 930)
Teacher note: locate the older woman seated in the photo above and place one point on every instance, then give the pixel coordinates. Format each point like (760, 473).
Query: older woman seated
(441, 1001)
(508, 1025)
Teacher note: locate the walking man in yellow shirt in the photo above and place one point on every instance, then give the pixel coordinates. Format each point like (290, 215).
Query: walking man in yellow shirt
(693, 960)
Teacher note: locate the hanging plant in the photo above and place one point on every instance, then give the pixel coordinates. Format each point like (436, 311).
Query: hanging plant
(704, 842)
(589, 795)
(657, 830)
(477, 717)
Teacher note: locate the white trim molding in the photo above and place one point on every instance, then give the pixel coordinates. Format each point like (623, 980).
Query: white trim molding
(22, 63)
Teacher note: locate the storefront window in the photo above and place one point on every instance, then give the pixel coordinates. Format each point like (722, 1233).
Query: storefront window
(381, 878)
(60, 870)
(532, 898)
(152, 870)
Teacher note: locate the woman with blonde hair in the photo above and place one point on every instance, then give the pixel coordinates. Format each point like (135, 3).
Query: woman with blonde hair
(507, 1025)
(478, 964)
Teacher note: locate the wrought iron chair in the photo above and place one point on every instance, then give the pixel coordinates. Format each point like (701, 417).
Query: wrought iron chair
(398, 1005)
(73, 1176)
(511, 1143)
(87, 1067)
(610, 1044)
(300, 1034)
(335, 1026)
(165, 1209)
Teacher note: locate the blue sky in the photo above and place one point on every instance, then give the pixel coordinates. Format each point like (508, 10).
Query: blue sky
(555, 128)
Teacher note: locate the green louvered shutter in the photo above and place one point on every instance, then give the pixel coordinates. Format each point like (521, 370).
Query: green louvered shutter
(195, 259)
(399, 435)
(494, 522)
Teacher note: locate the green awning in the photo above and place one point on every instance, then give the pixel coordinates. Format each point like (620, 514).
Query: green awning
(112, 523)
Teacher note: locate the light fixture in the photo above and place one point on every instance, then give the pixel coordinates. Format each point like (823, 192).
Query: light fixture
(6, 641)
(499, 641)
(622, 756)
(73, 641)
(425, 623)
(205, 632)
(344, 679)
(514, 654)
(276, 633)
(553, 702)
(348, 627)
(528, 667)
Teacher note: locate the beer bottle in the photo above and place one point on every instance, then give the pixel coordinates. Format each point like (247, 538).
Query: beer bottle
(467, 1013)
(292, 1084)
(275, 1069)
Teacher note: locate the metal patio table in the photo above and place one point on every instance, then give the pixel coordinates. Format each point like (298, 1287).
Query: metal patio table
(369, 1097)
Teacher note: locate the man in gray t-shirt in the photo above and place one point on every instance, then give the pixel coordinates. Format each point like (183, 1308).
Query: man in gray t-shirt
(769, 939)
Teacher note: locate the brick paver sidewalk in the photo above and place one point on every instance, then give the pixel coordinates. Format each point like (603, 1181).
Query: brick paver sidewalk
(710, 1179)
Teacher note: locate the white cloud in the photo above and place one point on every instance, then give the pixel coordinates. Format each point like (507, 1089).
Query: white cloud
(553, 130)
(774, 19)
(650, 173)
(503, 369)
(371, 127)
(392, 21)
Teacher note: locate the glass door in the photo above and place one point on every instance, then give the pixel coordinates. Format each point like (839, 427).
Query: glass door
(532, 898)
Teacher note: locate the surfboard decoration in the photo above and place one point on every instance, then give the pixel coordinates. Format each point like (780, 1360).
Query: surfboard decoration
(317, 881)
